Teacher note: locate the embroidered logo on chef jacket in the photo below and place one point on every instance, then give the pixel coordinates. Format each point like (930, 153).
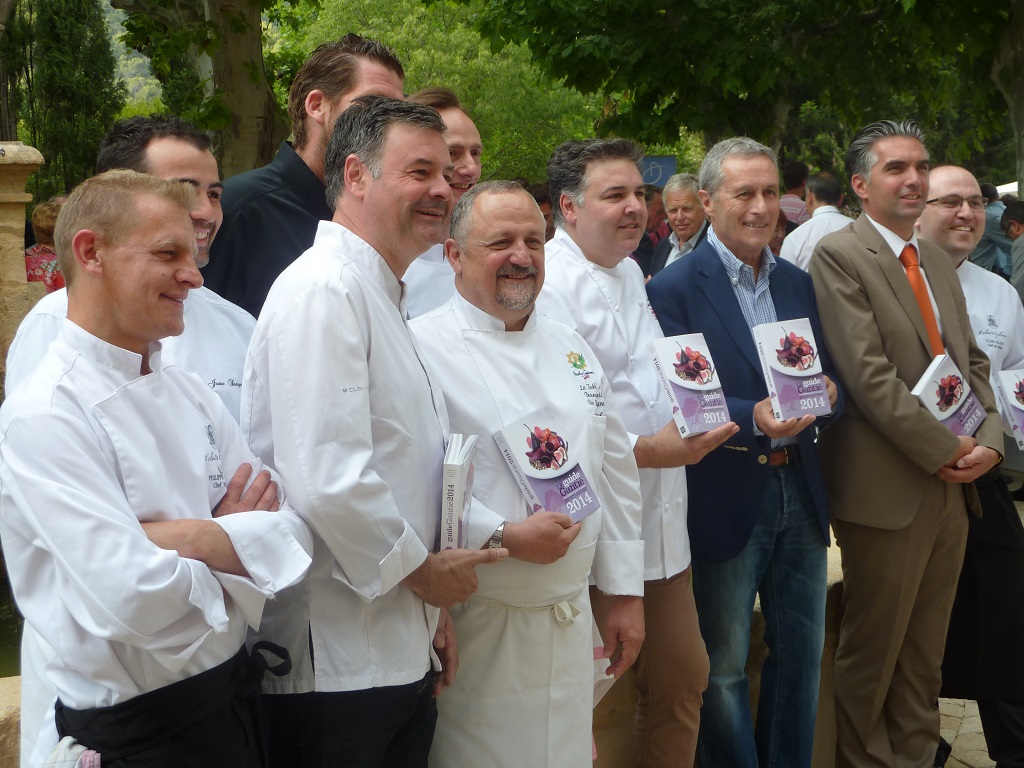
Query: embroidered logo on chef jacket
(214, 467)
(992, 337)
(590, 388)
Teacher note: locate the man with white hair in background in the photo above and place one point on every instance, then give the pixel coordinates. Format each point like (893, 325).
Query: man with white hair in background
(685, 217)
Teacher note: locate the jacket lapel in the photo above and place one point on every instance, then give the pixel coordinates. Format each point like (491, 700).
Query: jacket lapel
(714, 282)
(896, 276)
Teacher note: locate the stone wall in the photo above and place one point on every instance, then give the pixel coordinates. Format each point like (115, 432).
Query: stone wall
(17, 295)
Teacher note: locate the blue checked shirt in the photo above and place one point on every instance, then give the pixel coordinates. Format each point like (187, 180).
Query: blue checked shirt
(754, 296)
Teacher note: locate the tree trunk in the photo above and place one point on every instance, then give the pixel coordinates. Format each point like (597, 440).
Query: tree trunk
(1008, 75)
(256, 128)
(8, 83)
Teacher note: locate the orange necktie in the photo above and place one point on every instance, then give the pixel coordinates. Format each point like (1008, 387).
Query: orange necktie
(911, 264)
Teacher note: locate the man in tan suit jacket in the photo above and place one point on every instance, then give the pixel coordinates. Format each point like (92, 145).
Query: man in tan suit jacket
(900, 483)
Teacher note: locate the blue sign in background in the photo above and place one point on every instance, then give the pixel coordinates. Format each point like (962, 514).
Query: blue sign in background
(657, 169)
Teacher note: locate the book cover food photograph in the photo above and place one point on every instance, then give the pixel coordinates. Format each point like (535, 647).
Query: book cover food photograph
(687, 372)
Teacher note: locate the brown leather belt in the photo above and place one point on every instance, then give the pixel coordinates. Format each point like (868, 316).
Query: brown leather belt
(789, 454)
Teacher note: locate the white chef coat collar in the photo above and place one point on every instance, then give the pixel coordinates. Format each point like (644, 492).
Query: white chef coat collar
(563, 239)
(434, 253)
(103, 353)
(471, 316)
(343, 240)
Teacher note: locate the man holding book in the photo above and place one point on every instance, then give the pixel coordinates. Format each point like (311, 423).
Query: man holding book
(594, 287)
(758, 519)
(354, 425)
(524, 695)
(900, 483)
(981, 660)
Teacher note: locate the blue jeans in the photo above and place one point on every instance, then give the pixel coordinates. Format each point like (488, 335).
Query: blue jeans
(784, 562)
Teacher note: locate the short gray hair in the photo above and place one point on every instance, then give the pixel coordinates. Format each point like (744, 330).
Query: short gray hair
(860, 156)
(711, 176)
(361, 131)
(681, 182)
(567, 168)
(462, 213)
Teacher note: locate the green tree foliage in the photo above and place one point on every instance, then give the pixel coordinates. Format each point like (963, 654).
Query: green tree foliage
(72, 94)
(756, 68)
(209, 58)
(522, 113)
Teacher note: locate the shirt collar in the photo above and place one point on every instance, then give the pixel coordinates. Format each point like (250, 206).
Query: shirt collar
(434, 253)
(894, 241)
(823, 209)
(733, 266)
(362, 254)
(106, 354)
(471, 316)
(567, 245)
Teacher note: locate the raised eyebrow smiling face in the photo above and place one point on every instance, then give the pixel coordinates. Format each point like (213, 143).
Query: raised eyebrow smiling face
(895, 190)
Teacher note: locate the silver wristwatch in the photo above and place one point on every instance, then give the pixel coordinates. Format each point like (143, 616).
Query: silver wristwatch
(496, 538)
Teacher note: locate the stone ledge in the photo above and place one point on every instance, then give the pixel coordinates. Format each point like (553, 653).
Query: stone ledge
(10, 721)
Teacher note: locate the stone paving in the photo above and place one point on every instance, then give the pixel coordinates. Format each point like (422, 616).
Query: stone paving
(961, 727)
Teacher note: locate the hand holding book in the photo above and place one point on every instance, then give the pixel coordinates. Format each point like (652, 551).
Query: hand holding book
(667, 448)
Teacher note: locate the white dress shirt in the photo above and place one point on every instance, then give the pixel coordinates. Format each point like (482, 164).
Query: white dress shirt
(997, 318)
(336, 399)
(90, 449)
(896, 245)
(429, 282)
(798, 247)
(609, 308)
(212, 346)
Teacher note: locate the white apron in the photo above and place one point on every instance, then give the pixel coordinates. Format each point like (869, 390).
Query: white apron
(524, 690)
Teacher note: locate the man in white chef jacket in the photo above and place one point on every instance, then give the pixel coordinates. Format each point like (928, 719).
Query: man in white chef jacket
(981, 660)
(110, 465)
(524, 691)
(337, 399)
(217, 332)
(593, 287)
(213, 344)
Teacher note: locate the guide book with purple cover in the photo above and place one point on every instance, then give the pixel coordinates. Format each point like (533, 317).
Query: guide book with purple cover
(689, 377)
(541, 451)
(948, 397)
(792, 368)
(457, 490)
(1011, 393)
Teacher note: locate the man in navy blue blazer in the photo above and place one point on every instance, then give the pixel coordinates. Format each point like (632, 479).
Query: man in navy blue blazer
(758, 518)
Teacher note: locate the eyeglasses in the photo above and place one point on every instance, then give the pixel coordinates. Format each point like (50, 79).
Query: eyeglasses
(955, 202)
